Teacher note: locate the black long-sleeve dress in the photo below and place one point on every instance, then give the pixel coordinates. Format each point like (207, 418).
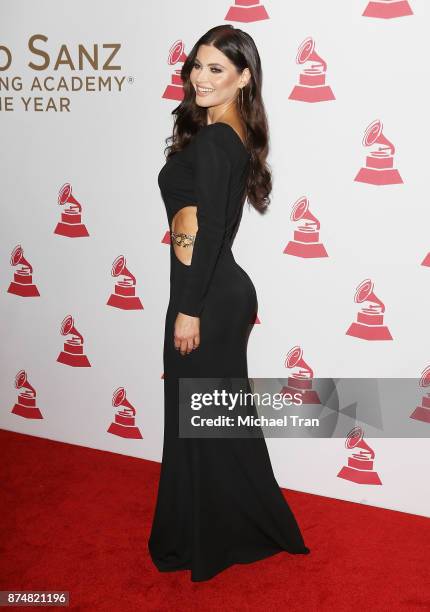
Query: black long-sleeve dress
(218, 500)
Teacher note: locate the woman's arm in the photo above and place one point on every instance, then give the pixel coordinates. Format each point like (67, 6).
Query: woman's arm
(212, 173)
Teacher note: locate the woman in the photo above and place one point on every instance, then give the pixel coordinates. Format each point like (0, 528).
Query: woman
(218, 501)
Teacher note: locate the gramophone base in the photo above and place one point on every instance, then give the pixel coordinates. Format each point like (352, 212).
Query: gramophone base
(299, 249)
(174, 92)
(76, 361)
(388, 176)
(245, 14)
(125, 431)
(385, 10)
(426, 260)
(23, 290)
(71, 231)
(307, 396)
(367, 332)
(421, 414)
(359, 476)
(312, 94)
(125, 302)
(28, 412)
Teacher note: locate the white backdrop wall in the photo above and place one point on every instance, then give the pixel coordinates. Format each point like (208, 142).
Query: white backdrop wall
(108, 142)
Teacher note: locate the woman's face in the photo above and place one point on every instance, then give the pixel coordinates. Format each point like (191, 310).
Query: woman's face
(213, 70)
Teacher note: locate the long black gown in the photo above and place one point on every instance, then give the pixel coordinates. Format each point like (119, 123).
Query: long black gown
(218, 500)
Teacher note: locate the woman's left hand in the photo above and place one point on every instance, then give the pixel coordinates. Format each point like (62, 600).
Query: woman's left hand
(187, 333)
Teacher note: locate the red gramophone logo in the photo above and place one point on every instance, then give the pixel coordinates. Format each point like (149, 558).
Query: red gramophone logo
(370, 319)
(125, 287)
(175, 90)
(73, 351)
(300, 381)
(22, 283)
(71, 220)
(426, 260)
(379, 169)
(166, 238)
(26, 402)
(246, 11)
(387, 9)
(312, 87)
(360, 464)
(306, 236)
(254, 319)
(124, 424)
(422, 413)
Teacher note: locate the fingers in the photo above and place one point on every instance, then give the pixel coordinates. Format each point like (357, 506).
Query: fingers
(186, 345)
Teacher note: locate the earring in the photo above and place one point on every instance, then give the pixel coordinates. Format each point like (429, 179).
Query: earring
(241, 98)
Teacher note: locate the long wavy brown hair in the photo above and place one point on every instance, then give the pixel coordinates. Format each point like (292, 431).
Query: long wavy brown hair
(240, 49)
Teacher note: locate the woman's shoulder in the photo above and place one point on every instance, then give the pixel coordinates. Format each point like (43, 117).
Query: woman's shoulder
(222, 134)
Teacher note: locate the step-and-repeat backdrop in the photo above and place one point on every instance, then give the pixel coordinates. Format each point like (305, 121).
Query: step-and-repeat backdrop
(341, 263)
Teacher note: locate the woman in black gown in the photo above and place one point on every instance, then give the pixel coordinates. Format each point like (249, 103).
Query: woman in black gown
(218, 500)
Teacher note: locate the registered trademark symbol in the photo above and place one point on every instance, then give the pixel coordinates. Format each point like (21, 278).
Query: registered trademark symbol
(130, 79)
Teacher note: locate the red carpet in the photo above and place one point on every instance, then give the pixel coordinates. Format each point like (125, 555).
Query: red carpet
(78, 519)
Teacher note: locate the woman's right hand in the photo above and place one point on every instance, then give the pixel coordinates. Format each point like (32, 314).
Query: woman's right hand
(186, 333)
